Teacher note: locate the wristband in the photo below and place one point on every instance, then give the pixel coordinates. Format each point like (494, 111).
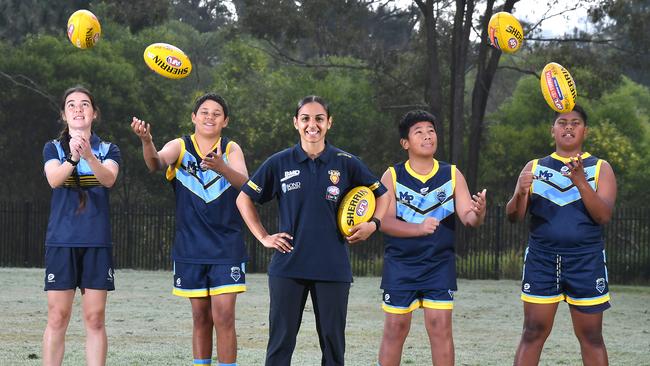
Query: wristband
(72, 162)
(377, 222)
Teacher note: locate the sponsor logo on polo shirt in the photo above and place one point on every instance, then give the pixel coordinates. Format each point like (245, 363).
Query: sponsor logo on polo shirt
(286, 187)
(254, 186)
(333, 193)
(335, 176)
(288, 174)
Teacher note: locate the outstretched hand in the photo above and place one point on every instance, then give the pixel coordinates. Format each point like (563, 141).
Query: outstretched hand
(479, 203)
(142, 129)
(214, 161)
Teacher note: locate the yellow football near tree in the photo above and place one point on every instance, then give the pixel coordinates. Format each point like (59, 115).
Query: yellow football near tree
(83, 29)
(558, 88)
(357, 206)
(167, 60)
(505, 32)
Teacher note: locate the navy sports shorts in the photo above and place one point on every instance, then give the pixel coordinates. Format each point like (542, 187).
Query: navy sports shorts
(405, 301)
(579, 279)
(67, 268)
(202, 280)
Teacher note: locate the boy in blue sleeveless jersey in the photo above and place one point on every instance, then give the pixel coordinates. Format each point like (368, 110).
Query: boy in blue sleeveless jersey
(311, 256)
(206, 171)
(80, 168)
(419, 258)
(570, 195)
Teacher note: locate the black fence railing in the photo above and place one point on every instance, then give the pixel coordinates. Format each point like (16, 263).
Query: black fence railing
(143, 235)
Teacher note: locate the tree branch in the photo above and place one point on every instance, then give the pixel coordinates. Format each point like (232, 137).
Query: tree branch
(33, 87)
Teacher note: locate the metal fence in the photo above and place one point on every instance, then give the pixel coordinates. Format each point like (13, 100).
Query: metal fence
(143, 235)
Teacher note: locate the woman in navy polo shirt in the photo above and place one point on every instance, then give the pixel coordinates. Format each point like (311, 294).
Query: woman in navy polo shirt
(308, 180)
(80, 168)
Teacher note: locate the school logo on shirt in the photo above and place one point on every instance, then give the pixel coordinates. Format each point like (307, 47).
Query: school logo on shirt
(441, 196)
(235, 273)
(50, 278)
(335, 176)
(287, 187)
(288, 174)
(333, 193)
(600, 285)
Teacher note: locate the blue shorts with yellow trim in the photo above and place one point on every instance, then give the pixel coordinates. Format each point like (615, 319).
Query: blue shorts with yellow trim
(67, 268)
(202, 280)
(404, 302)
(579, 279)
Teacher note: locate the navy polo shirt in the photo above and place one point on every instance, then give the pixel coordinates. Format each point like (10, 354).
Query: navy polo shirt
(308, 193)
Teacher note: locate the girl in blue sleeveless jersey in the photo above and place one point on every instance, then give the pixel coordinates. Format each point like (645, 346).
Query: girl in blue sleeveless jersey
(570, 195)
(206, 171)
(311, 256)
(419, 258)
(80, 168)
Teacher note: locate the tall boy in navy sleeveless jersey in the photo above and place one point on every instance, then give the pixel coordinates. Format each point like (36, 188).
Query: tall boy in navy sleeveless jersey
(80, 168)
(570, 195)
(206, 171)
(419, 257)
(308, 180)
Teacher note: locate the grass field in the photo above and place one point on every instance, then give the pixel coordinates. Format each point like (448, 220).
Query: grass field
(148, 326)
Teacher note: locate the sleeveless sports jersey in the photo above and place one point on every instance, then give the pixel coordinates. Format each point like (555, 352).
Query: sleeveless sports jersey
(68, 226)
(559, 221)
(423, 262)
(208, 224)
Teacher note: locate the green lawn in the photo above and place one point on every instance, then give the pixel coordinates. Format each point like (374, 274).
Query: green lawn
(147, 325)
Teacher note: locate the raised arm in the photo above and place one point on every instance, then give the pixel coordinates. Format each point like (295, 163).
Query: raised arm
(518, 204)
(155, 160)
(470, 210)
(599, 203)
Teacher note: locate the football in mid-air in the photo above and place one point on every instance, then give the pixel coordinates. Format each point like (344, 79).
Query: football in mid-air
(357, 206)
(83, 29)
(558, 88)
(505, 32)
(167, 60)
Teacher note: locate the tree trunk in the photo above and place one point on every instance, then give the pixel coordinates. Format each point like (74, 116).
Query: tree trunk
(488, 60)
(460, 41)
(433, 88)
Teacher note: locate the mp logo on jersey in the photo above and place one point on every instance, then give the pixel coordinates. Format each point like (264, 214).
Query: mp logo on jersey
(235, 273)
(546, 175)
(600, 285)
(405, 197)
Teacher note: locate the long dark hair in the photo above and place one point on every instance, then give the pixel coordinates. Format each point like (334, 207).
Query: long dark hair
(64, 140)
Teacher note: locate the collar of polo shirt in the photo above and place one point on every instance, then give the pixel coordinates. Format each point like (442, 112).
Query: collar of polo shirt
(300, 155)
